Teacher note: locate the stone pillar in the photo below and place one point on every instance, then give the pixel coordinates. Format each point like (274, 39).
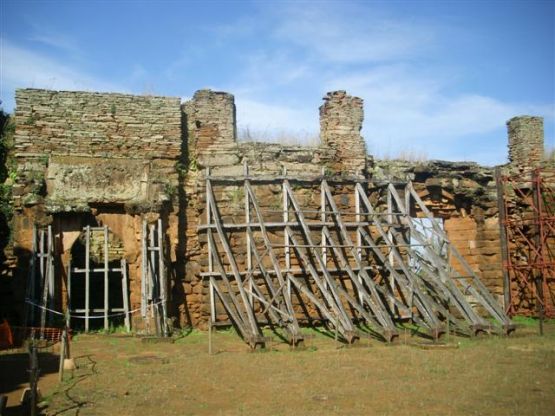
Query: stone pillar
(341, 118)
(525, 141)
(211, 126)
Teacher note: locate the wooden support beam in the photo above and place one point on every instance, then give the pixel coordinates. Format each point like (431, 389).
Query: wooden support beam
(410, 281)
(162, 279)
(476, 287)
(253, 327)
(87, 275)
(106, 282)
(373, 299)
(144, 301)
(125, 294)
(331, 287)
(292, 325)
(442, 269)
(503, 238)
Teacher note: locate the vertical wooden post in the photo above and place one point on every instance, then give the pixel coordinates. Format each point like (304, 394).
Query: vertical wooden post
(41, 252)
(154, 281)
(162, 277)
(323, 219)
(125, 293)
(390, 257)
(359, 241)
(62, 357)
(33, 377)
(248, 221)
(210, 336)
(33, 278)
(539, 242)
(106, 283)
(51, 277)
(503, 239)
(87, 275)
(286, 239)
(68, 307)
(144, 260)
(210, 260)
(44, 282)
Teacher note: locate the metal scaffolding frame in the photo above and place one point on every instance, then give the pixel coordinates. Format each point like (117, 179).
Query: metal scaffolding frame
(527, 225)
(373, 254)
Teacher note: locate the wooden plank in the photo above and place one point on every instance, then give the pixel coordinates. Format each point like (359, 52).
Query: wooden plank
(374, 300)
(125, 294)
(363, 296)
(248, 243)
(32, 281)
(51, 274)
(68, 306)
(106, 283)
(441, 267)
(162, 274)
(144, 299)
(279, 225)
(331, 287)
(210, 261)
(337, 315)
(477, 288)
(503, 237)
(424, 303)
(87, 275)
(223, 239)
(154, 281)
(233, 309)
(293, 326)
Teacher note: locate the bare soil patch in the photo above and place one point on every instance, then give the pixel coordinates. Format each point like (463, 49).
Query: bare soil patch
(485, 376)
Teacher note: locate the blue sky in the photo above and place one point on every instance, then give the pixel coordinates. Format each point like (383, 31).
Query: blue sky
(439, 78)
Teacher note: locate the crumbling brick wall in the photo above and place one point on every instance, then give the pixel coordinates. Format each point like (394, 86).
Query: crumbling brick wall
(85, 155)
(122, 158)
(212, 144)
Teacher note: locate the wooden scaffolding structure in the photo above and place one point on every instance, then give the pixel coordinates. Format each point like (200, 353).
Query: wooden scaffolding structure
(354, 267)
(154, 284)
(106, 312)
(41, 284)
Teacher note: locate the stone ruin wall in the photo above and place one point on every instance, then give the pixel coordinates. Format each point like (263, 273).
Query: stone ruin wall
(165, 147)
(212, 144)
(464, 196)
(82, 157)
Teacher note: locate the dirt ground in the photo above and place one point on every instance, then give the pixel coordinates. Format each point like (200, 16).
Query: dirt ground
(122, 375)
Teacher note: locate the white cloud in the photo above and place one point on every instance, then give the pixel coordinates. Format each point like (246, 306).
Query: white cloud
(405, 110)
(268, 122)
(22, 68)
(345, 33)
(410, 104)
